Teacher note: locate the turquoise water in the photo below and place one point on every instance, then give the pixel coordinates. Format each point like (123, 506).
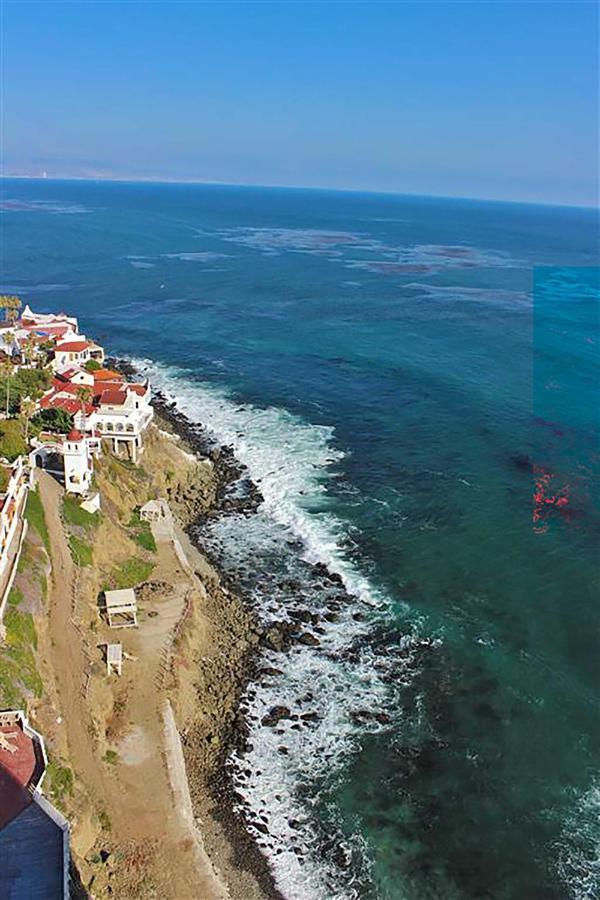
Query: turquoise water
(413, 382)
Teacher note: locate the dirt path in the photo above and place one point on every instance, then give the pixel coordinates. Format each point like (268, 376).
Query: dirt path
(143, 797)
(69, 660)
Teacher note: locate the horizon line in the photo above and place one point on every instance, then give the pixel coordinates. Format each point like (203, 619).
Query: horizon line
(116, 179)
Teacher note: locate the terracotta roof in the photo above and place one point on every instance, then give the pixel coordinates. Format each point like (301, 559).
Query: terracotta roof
(113, 397)
(74, 435)
(139, 389)
(58, 400)
(65, 387)
(73, 346)
(107, 375)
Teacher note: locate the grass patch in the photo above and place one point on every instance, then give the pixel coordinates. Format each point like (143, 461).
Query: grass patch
(34, 513)
(141, 532)
(25, 559)
(130, 573)
(15, 597)
(73, 514)
(145, 539)
(20, 629)
(60, 782)
(10, 695)
(18, 670)
(111, 757)
(81, 552)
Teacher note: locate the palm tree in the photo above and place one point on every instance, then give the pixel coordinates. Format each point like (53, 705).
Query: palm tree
(29, 347)
(84, 395)
(11, 306)
(6, 371)
(27, 409)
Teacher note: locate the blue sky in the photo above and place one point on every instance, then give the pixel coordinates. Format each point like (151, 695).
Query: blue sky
(478, 99)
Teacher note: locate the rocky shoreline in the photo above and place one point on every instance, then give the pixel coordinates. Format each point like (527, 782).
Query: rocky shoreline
(225, 678)
(219, 681)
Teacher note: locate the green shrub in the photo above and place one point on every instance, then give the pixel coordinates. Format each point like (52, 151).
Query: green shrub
(12, 442)
(111, 757)
(34, 513)
(59, 782)
(92, 365)
(56, 420)
(104, 820)
(24, 383)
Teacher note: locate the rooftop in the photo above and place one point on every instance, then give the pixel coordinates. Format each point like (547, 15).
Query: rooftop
(22, 765)
(73, 346)
(113, 397)
(107, 375)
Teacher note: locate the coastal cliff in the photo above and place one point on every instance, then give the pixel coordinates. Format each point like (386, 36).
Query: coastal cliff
(112, 755)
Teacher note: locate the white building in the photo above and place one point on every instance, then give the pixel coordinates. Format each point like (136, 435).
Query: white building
(78, 463)
(76, 351)
(122, 415)
(74, 375)
(28, 317)
(12, 503)
(70, 455)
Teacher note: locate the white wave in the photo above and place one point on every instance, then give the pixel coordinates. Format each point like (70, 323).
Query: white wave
(578, 858)
(288, 459)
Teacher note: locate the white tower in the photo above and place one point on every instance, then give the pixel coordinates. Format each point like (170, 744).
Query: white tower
(77, 463)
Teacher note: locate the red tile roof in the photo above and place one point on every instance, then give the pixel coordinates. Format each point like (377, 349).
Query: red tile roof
(65, 387)
(73, 346)
(58, 400)
(74, 435)
(139, 389)
(107, 375)
(113, 397)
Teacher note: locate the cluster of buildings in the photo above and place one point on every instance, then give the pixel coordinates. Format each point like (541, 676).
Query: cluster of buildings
(103, 406)
(100, 408)
(103, 411)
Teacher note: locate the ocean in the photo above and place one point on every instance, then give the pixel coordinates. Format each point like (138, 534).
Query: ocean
(413, 385)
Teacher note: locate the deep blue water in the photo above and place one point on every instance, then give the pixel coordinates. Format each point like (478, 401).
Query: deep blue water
(402, 375)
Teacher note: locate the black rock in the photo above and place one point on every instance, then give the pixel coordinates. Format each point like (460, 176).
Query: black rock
(309, 639)
(275, 715)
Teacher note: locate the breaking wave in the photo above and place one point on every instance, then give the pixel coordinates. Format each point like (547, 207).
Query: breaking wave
(578, 858)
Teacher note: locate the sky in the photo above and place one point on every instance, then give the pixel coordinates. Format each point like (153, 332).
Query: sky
(482, 99)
